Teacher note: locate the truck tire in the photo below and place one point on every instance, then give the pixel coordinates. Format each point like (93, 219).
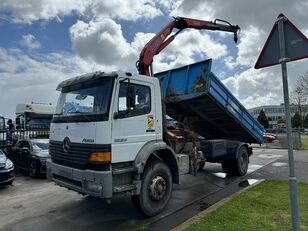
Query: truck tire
(238, 166)
(156, 189)
(242, 162)
(227, 166)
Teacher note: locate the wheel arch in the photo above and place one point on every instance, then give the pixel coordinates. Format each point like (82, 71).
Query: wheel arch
(246, 147)
(239, 147)
(158, 150)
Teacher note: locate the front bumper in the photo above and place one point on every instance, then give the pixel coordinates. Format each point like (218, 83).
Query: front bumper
(94, 183)
(7, 176)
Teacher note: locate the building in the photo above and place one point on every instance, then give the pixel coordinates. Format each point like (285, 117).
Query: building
(274, 112)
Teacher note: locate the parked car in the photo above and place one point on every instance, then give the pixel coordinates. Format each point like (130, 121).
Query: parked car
(7, 173)
(269, 137)
(31, 155)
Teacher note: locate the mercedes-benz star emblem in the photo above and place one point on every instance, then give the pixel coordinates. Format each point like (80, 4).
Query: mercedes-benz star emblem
(66, 144)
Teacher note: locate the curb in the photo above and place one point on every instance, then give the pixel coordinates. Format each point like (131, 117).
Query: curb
(200, 215)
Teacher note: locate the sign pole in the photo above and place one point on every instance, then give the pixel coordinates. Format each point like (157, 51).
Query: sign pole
(292, 177)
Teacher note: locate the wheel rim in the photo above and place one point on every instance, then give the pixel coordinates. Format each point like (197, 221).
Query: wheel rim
(158, 188)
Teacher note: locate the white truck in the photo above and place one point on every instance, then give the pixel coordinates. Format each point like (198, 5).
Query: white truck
(108, 135)
(33, 115)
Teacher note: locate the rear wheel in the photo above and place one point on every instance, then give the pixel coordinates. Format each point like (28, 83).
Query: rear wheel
(242, 162)
(156, 189)
(227, 166)
(239, 166)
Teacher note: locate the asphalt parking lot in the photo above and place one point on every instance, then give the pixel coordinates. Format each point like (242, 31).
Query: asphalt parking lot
(37, 204)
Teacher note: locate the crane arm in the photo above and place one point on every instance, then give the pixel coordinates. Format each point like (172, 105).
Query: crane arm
(163, 38)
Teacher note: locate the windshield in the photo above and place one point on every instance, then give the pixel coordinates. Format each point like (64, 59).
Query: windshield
(85, 99)
(40, 145)
(39, 123)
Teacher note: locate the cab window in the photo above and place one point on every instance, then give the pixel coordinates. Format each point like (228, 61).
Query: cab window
(142, 102)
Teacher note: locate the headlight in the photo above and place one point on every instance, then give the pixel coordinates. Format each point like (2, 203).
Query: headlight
(8, 164)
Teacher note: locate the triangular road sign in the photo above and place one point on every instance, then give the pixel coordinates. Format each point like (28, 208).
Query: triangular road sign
(296, 44)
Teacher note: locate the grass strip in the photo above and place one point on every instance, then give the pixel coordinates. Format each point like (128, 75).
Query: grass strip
(263, 207)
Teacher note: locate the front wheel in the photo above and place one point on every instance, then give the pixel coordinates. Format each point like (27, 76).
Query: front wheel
(33, 171)
(156, 189)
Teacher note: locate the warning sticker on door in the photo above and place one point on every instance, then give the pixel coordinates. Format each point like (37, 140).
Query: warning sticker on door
(150, 122)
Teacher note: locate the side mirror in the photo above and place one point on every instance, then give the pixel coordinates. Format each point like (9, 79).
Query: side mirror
(130, 97)
(116, 115)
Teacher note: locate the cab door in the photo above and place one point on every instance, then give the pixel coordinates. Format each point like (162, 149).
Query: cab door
(133, 120)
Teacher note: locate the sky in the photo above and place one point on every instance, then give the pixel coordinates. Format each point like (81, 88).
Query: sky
(43, 42)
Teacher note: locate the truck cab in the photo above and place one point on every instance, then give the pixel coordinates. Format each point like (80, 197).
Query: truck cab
(105, 128)
(33, 116)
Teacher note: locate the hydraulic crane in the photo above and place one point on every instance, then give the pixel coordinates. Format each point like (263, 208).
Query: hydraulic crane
(163, 38)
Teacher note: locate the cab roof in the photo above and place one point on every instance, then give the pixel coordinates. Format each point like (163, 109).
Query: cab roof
(85, 78)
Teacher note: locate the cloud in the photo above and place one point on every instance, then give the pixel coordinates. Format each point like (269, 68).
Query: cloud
(255, 18)
(25, 79)
(122, 9)
(187, 47)
(263, 86)
(261, 14)
(103, 42)
(33, 10)
(30, 42)
(253, 87)
(250, 45)
(229, 62)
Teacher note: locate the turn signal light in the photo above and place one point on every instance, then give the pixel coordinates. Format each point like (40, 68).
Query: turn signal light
(100, 157)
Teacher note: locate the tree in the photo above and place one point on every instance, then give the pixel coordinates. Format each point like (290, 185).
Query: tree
(263, 119)
(303, 79)
(296, 120)
(299, 95)
(305, 122)
(281, 120)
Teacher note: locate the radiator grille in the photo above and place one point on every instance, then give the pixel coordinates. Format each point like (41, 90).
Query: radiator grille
(77, 155)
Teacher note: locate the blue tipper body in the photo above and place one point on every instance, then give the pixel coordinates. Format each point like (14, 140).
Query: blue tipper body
(194, 92)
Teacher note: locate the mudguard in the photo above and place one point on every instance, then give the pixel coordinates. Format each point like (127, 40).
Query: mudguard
(162, 151)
